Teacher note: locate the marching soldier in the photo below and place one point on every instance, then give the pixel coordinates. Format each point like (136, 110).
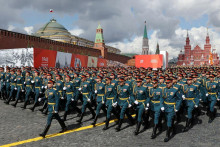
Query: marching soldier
(100, 92)
(2, 78)
(53, 107)
(212, 92)
(140, 95)
(12, 85)
(124, 94)
(170, 105)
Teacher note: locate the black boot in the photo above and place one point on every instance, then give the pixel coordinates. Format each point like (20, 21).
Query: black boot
(167, 135)
(94, 121)
(211, 117)
(64, 116)
(32, 109)
(106, 124)
(137, 128)
(9, 99)
(81, 117)
(118, 128)
(25, 104)
(44, 107)
(15, 103)
(45, 131)
(154, 133)
(186, 128)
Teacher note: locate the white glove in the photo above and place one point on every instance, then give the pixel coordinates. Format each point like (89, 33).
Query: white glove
(148, 104)
(96, 91)
(15, 79)
(136, 102)
(89, 100)
(146, 108)
(114, 104)
(72, 99)
(42, 87)
(32, 81)
(64, 88)
(7, 81)
(22, 90)
(80, 89)
(55, 112)
(162, 108)
(24, 82)
(2, 80)
(183, 97)
(39, 99)
(196, 106)
(218, 99)
(175, 110)
(206, 94)
(45, 87)
(15, 88)
(3, 83)
(40, 92)
(62, 98)
(129, 105)
(103, 102)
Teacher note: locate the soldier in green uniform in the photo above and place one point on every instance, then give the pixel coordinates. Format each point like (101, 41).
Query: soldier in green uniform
(12, 85)
(212, 92)
(28, 88)
(170, 104)
(124, 102)
(86, 90)
(7, 82)
(110, 100)
(53, 107)
(19, 86)
(2, 80)
(139, 98)
(100, 93)
(154, 101)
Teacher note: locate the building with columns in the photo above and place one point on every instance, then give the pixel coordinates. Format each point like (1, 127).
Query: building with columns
(197, 56)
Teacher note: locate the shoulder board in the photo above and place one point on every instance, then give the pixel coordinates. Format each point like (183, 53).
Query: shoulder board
(175, 88)
(61, 80)
(54, 88)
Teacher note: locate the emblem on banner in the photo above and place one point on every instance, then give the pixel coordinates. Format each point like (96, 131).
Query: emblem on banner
(78, 62)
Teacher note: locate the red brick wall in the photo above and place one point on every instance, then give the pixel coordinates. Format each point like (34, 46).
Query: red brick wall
(117, 57)
(9, 40)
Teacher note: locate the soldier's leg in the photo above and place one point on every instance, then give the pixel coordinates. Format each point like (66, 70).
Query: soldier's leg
(10, 95)
(130, 118)
(37, 94)
(156, 121)
(61, 122)
(18, 95)
(139, 118)
(27, 95)
(68, 101)
(122, 113)
(91, 110)
(189, 117)
(212, 112)
(98, 108)
(47, 127)
(108, 116)
(169, 118)
(84, 106)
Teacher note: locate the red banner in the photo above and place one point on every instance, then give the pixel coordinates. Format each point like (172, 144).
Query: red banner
(44, 58)
(101, 62)
(153, 61)
(79, 61)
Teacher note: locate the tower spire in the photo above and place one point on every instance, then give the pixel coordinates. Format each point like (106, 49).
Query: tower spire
(145, 30)
(207, 31)
(187, 33)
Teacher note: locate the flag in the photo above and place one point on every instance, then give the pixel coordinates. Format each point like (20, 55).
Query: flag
(51, 10)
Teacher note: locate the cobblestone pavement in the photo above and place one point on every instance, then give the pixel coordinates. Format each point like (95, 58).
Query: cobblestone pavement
(17, 125)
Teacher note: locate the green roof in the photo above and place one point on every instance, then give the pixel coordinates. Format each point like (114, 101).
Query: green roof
(145, 31)
(129, 54)
(99, 35)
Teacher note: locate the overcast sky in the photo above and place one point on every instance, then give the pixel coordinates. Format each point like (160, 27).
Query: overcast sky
(122, 20)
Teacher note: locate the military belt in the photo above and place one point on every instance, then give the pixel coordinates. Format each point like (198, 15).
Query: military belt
(85, 93)
(110, 98)
(19, 84)
(77, 87)
(51, 103)
(37, 87)
(155, 101)
(69, 93)
(28, 85)
(60, 91)
(13, 84)
(168, 103)
(124, 98)
(189, 99)
(100, 94)
(211, 93)
(141, 101)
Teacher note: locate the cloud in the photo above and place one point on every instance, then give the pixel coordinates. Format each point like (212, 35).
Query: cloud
(76, 32)
(11, 27)
(29, 30)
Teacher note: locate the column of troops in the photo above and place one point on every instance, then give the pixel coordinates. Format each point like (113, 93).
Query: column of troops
(168, 96)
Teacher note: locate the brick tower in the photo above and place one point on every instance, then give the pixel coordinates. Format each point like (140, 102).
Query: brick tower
(99, 42)
(187, 48)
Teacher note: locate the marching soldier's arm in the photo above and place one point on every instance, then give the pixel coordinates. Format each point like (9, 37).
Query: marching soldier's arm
(115, 94)
(132, 96)
(178, 102)
(146, 92)
(161, 98)
(148, 96)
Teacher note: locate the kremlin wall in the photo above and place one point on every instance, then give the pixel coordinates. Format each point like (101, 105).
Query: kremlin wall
(54, 36)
